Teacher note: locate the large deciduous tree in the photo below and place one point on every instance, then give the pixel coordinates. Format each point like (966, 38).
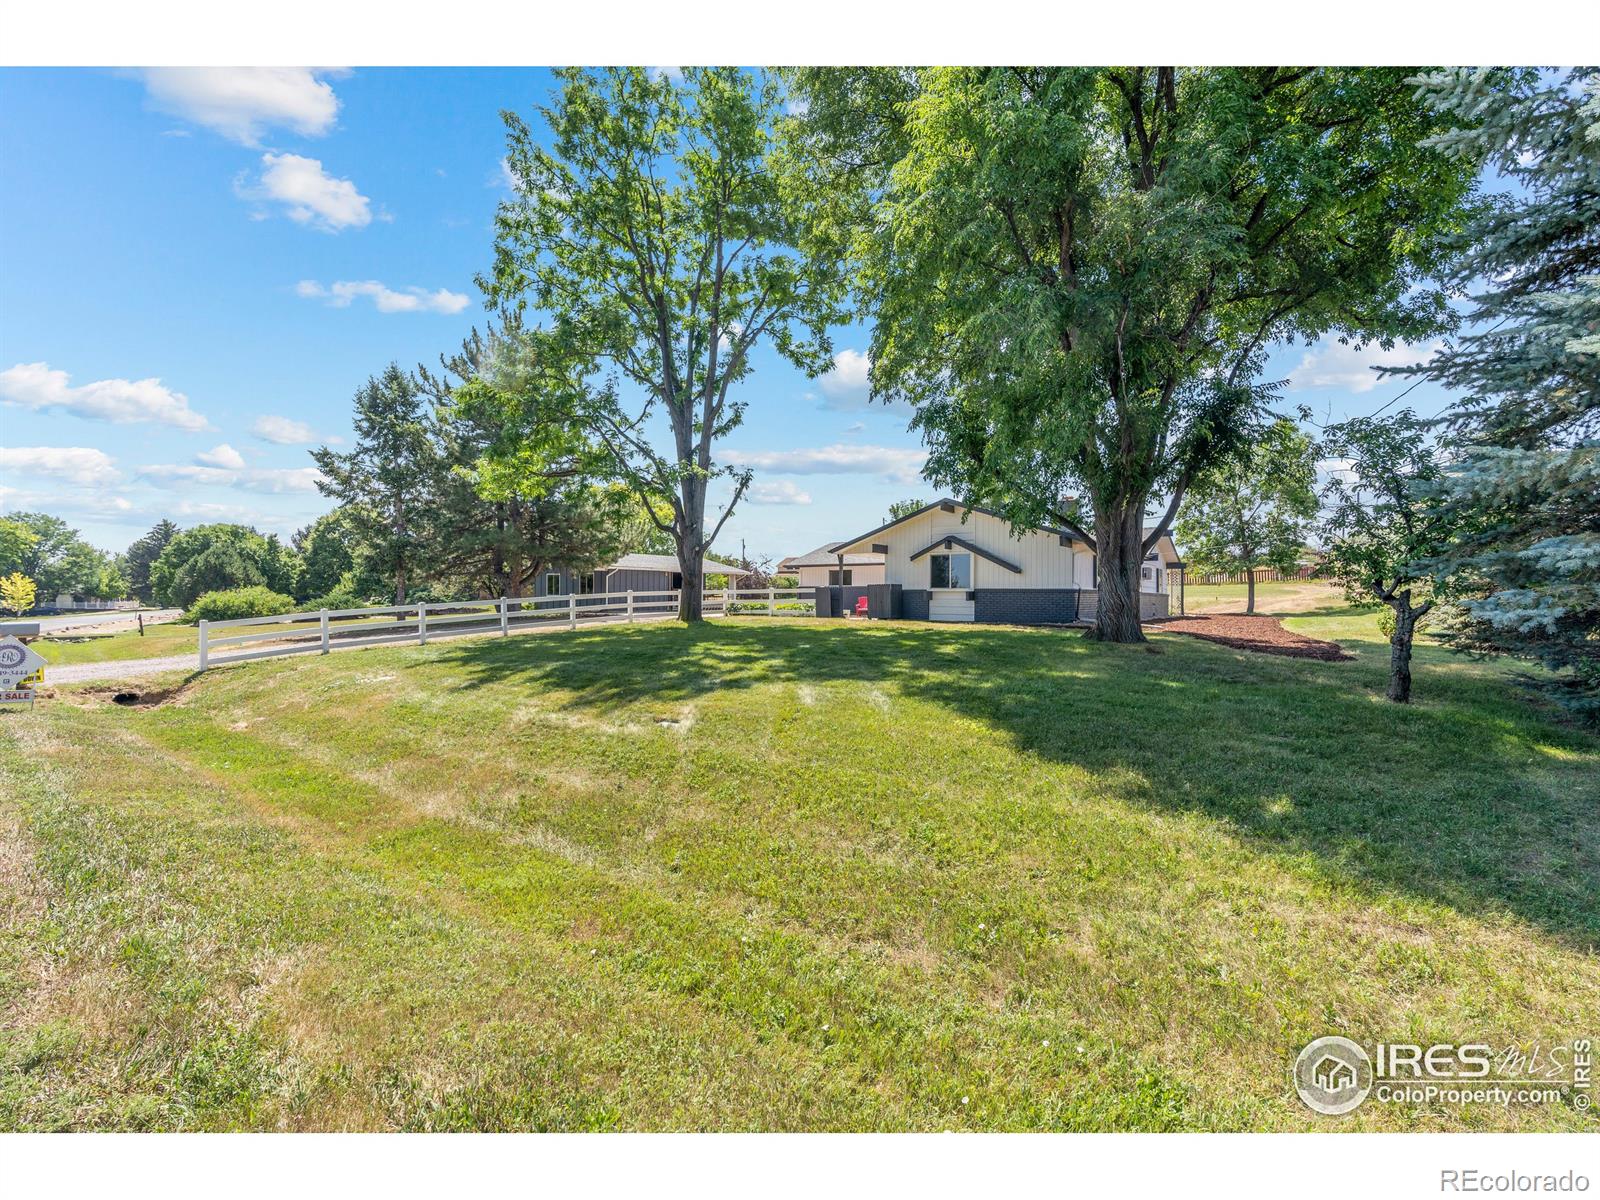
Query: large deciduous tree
(1254, 510)
(516, 497)
(1526, 570)
(1073, 272)
(56, 558)
(652, 230)
(388, 480)
(221, 557)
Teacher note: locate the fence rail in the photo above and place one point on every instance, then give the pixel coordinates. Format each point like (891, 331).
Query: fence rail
(319, 632)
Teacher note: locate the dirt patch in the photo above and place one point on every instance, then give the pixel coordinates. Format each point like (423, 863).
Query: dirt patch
(1264, 635)
(128, 695)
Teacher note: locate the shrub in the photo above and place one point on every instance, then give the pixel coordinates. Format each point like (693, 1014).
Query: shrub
(238, 602)
(347, 593)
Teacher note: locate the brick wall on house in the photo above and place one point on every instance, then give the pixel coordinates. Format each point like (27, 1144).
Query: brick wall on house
(914, 605)
(1026, 606)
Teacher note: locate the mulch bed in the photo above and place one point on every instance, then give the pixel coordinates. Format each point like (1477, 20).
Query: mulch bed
(1265, 635)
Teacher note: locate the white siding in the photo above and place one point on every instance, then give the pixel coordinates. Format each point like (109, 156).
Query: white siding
(860, 576)
(1044, 561)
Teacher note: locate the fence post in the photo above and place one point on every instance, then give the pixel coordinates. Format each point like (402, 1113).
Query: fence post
(204, 633)
(572, 610)
(422, 624)
(505, 618)
(772, 603)
(324, 616)
(630, 606)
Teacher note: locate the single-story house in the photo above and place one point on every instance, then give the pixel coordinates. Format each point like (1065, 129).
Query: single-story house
(949, 562)
(630, 573)
(826, 565)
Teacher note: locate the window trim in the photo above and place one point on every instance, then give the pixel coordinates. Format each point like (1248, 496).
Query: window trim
(548, 576)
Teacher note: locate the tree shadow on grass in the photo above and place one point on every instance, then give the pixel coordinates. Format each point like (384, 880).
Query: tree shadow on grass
(1471, 797)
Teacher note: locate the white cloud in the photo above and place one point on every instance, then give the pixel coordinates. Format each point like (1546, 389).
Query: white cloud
(308, 193)
(781, 491)
(282, 431)
(271, 481)
(121, 401)
(242, 103)
(222, 455)
(846, 386)
(854, 427)
(895, 463)
(1343, 365)
(385, 299)
(673, 73)
(80, 465)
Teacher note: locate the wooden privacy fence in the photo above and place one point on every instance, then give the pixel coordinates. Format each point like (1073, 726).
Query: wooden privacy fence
(318, 632)
(1263, 575)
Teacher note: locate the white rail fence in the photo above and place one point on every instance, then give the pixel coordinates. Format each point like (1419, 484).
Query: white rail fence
(319, 632)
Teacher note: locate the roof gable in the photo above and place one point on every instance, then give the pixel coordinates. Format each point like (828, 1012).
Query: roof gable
(1064, 529)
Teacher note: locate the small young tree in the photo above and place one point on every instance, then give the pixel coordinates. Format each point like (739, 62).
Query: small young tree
(1254, 511)
(656, 233)
(17, 594)
(388, 479)
(1384, 523)
(904, 508)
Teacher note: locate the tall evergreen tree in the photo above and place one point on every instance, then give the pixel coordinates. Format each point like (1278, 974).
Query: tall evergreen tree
(1526, 571)
(143, 554)
(1073, 272)
(391, 477)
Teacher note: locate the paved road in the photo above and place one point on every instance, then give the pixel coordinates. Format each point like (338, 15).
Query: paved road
(132, 668)
(84, 620)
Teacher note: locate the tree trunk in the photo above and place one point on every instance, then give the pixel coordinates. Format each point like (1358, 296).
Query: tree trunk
(400, 585)
(1118, 554)
(1250, 601)
(1400, 650)
(691, 556)
(691, 597)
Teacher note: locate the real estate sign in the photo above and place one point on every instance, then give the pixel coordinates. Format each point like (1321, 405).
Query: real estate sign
(21, 670)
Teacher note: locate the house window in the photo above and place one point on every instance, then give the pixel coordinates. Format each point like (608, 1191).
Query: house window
(1147, 575)
(552, 584)
(950, 570)
(842, 577)
(586, 584)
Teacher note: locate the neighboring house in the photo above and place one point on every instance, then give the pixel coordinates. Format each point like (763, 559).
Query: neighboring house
(947, 562)
(825, 565)
(630, 573)
(73, 602)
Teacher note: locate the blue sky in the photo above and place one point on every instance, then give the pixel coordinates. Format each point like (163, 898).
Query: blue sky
(201, 267)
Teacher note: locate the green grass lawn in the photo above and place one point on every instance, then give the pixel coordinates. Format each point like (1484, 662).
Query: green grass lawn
(85, 645)
(784, 875)
(1279, 596)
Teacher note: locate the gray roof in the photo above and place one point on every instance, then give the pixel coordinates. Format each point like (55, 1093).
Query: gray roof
(669, 564)
(1065, 528)
(824, 556)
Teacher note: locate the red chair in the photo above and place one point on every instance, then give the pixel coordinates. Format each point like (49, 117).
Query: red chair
(861, 606)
